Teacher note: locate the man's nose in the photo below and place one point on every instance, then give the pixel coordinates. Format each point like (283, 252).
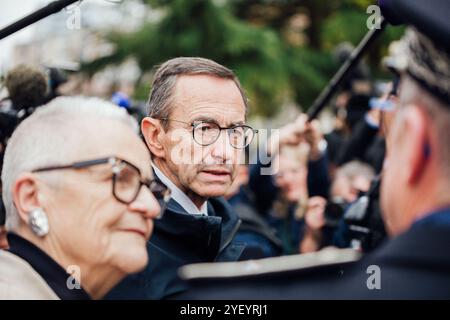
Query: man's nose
(222, 148)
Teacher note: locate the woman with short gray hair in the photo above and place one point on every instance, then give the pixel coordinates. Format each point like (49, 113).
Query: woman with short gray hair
(77, 214)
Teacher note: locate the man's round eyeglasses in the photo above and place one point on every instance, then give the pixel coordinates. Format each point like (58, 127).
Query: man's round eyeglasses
(206, 133)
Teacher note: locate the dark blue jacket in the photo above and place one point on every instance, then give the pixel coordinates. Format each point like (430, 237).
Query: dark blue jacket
(181, 238)
(260, 238)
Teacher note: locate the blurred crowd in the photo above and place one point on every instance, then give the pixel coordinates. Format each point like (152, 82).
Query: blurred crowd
(300, 206)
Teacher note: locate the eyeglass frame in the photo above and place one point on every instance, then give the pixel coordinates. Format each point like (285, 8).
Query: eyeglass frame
(197, 122)
(113, 160)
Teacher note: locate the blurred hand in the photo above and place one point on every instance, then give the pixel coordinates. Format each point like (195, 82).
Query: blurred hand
(293, 133)
(315, 220)
(374, 116)
(297, 132)
(313, 135)
(290, 134)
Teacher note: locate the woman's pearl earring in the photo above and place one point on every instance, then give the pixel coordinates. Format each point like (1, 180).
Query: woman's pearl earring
(39, 222)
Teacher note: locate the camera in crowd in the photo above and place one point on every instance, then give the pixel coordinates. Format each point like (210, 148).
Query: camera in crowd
(359, 224)
(366, 230)
(334, 211)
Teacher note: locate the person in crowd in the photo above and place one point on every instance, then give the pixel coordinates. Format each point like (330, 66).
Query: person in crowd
(56, 79)
(362, 226)
(27, 88)
(296, 168)
(196, 131)
(414, 198)
(277, 199)
(288, 209)
(324, 220)
(315, 222)
(350, 181)
(367, 142)
(80, 201)
(349, 107)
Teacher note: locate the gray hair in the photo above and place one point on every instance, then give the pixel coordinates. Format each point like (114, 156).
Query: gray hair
(354, 169)
(412, 93)
(161, 94)
(49, 134)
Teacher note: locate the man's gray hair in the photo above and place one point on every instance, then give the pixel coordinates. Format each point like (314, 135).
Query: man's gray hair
(50, 134)
(161, 94)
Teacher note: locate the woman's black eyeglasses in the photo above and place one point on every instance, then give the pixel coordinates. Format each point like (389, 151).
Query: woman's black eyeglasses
(126, 180)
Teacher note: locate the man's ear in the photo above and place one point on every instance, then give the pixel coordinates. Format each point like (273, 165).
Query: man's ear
(152, 131)
(25, 195)
(417, 139)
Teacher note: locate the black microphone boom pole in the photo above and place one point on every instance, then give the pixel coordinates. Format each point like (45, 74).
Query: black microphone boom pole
(51, 8)
(342, 73)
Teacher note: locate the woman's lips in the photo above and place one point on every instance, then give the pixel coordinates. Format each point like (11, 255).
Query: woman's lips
(138, 231)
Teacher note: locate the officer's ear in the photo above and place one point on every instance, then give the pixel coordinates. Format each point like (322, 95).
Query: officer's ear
(152, 131)
(417, 140)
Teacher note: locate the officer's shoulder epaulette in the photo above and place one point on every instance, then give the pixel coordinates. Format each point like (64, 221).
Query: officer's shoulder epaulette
(326, 257)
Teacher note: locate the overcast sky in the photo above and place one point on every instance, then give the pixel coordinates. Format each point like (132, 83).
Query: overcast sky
(12, 10)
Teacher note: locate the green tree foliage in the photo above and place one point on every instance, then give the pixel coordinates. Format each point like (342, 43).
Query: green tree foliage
(249, 37)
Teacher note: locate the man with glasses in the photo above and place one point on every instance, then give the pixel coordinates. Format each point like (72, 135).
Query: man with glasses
(196, 132)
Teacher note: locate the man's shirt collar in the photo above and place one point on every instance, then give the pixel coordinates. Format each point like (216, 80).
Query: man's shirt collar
(179, 196)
